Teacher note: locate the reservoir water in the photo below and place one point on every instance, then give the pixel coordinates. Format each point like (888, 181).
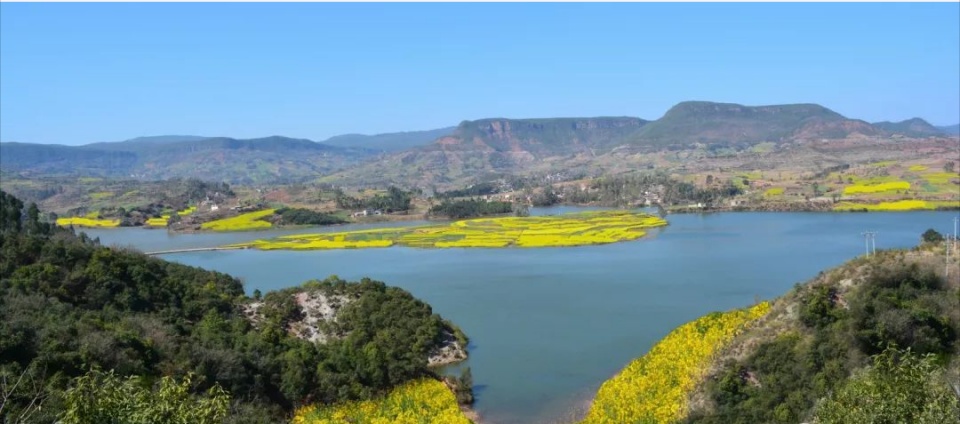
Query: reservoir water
(549, 325)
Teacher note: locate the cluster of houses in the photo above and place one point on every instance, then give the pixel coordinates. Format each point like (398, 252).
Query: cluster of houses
(367, 212)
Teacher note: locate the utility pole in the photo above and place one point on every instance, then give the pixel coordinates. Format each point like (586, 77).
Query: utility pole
(869, 236)
(946, 266)
(956, 223)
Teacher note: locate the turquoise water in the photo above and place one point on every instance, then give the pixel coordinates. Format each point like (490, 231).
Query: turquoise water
(548, 325)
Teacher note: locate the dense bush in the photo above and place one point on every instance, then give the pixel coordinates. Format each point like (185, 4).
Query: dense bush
(300, 216)
(460, 209)
(481, 189)
(900, 387)
(395, 200)
(102, 397)
(931, 236)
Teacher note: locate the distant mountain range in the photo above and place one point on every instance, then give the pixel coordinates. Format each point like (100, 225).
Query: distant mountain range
(216, 158)
(950, 129)
(389, 142)
(491, 147)
(471, 149)
(915, 127)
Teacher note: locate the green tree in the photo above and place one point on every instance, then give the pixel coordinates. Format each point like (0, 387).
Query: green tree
(900, 387)
(931, 236)
(464, 387)
(102, 397)
(949, 166)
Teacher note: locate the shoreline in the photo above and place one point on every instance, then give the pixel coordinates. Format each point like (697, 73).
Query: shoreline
(677, 211)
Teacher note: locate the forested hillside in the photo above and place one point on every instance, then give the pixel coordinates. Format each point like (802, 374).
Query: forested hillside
(872, 341)
(70, 307)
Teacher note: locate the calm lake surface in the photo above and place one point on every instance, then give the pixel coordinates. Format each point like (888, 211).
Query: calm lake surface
(549, 325)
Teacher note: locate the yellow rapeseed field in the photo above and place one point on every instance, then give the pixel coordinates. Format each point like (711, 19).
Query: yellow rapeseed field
(876, 188)
(900, 205)
(654, 388)
(88, 222)
(940, 177)
(917, 168)
(162, 220)
(425, 401)
(536, 231)
(247, 221)
(158, 222)
(775, 191)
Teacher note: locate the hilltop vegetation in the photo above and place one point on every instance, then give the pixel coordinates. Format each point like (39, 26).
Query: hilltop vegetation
(68, 304)
(813, 351)
(728, 123)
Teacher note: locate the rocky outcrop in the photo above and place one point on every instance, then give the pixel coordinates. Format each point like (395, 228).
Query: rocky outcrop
(318, 314)
(450, 351)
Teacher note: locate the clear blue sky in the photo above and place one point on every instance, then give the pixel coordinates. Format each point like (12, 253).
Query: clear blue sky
(80, 73)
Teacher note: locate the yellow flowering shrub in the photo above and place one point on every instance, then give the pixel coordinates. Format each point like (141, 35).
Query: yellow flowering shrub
(539, 231)
(425, 401)
(247, 221)
(654, 388)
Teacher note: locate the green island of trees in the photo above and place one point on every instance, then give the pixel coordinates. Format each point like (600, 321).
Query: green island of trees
(470, 208)
(300, 216)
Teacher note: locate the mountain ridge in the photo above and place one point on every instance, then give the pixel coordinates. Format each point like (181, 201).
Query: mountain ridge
(265, 159)
(389, 142)
(950, 129)
(910, 127)
(484, 148)
(473, 149)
